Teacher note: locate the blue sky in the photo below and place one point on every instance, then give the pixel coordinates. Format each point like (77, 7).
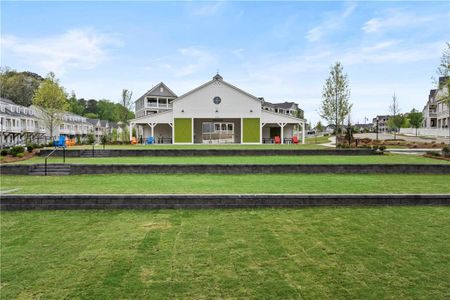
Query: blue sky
(281, 51)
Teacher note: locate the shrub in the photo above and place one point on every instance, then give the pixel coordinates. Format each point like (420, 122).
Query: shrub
(433, 153)
(90, 138)
(30, 148)
(382, 148)
(4, 152)
(20, 155)
(446, 151)
(16, 150)
(414, 146)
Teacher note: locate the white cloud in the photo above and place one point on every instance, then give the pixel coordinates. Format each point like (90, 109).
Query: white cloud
(331, 22)
(208, 9)
(239, 53)
(384, 52)
(394, 20)
(74, 49)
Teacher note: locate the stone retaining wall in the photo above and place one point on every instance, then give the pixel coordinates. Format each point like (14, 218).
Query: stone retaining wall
(82, 169)
(212, 152)
(51, 202)
(78, 169)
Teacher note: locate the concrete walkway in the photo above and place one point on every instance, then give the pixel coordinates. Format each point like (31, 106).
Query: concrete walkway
(331, 142)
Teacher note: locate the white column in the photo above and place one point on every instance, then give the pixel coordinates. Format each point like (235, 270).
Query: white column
(282, 131)
(303, 132)
(131, 131)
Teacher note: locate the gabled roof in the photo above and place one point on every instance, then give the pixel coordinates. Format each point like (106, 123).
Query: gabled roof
(103, 123)
(285, 105)
(93, 121)
(218, 78)
(156, 92)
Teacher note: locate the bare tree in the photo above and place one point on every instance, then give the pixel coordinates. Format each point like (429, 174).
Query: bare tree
(335, 105)
(395, 120)
(127, 106)
(443, 82)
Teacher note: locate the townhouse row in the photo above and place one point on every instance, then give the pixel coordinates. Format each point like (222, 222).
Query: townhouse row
(20, 125)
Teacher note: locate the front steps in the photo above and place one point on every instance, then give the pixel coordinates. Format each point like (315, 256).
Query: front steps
(52, 169)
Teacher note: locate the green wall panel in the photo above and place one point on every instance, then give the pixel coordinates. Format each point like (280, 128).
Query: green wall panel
(183, 130)
(251, 130)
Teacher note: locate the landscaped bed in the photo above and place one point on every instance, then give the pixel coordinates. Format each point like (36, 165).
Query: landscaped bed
(310, 159)
(317, 253)
(229, 184)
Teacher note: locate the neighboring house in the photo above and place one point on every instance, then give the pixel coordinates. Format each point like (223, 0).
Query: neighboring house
(364, 127)
(215, 112)
(19, 124)
(73, 126)
(156, 100)
(436, 113)
(382, 123)
(99, 128)
(288, 108)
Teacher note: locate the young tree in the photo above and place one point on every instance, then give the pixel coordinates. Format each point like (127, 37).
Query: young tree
(443, 71)
(335, 105)
(127, 106)
(319, 127)
(51, 101)
(396, 120)
(415, 119)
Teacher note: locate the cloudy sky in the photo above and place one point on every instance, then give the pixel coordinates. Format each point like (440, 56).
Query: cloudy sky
(281, 51)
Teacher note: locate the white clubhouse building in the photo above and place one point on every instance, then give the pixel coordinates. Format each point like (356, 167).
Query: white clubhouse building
(215, 112)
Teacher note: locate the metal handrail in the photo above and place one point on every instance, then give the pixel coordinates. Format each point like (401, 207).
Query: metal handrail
(47, 157)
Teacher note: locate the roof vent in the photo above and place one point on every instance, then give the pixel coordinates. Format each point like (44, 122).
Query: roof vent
(218, 77)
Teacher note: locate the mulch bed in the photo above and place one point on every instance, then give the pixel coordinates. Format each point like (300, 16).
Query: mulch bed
(11, 159)
(437, 157)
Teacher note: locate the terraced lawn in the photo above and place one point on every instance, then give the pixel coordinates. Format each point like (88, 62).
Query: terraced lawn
(314, 253)
(228, 184)
(316, 159)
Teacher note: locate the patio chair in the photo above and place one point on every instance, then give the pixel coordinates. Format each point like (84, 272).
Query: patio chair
(150, 140)
(277, 139)
(61, 142)
(295, 140)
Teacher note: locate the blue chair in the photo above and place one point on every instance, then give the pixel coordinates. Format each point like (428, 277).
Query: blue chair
(61, 142)
(150, 140)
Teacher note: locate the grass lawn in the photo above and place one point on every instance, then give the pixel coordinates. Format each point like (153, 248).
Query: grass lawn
(319, 159)
(310, 143)
(228, 184)
(314, 253)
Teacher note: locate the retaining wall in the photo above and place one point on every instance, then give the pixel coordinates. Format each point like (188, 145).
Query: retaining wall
(52, 202)
(212, 152)
(82, 169)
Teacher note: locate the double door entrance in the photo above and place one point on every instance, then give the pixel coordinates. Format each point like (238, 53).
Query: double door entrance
(217, 132)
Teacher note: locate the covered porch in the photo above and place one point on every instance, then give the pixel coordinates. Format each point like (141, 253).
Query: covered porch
(159, 127)
(284, 129)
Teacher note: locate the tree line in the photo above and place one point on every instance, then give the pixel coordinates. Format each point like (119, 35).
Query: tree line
(20, 87)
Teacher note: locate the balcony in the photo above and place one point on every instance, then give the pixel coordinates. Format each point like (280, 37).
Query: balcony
(158, 105)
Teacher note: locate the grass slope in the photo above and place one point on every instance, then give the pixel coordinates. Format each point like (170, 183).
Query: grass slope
(317, 253)
(316, 159)
(229, 184)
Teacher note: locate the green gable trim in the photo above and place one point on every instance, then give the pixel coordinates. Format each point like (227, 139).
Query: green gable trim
(182, 130)
(251, 130)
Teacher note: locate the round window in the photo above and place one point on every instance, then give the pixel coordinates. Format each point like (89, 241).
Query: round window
(217, 100)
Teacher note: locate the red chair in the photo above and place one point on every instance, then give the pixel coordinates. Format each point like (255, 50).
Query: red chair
(277, 140)
(295, 140)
